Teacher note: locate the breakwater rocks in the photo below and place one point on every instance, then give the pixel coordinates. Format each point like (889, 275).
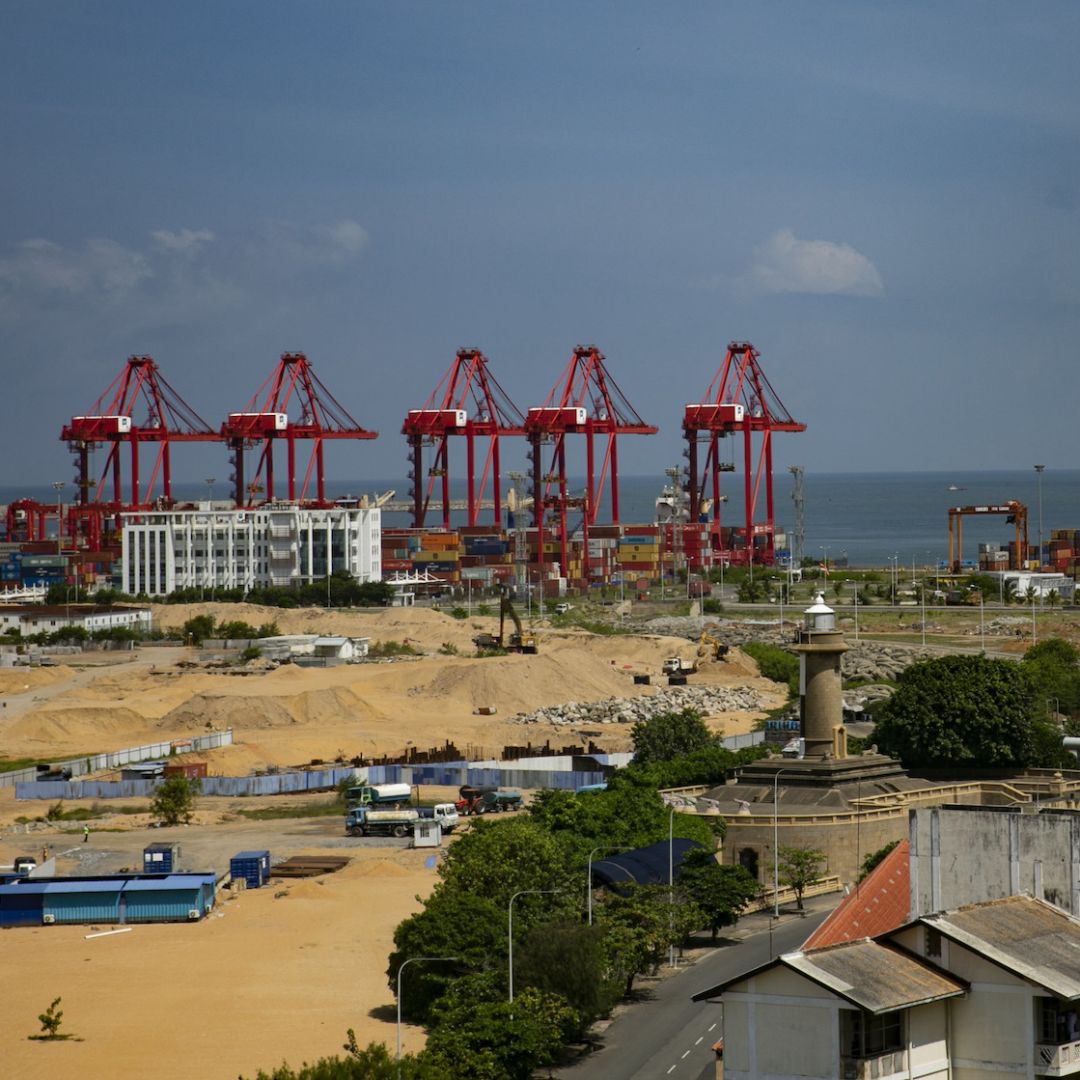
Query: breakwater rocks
(707, 701)
(864, 660)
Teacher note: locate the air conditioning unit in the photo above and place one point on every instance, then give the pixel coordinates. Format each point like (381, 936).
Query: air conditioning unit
(193, 913)
(48, 920)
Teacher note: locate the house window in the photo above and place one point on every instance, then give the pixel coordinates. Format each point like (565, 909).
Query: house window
(863, 1035)
(1057, 1023)
(933, 941)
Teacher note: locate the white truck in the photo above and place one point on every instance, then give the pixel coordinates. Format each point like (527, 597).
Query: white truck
(676, 665)
(369, 821)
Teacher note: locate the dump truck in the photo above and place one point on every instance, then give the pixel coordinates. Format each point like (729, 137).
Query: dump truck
(676, 665)
(366, 821)
(390, 796)
(486, 800)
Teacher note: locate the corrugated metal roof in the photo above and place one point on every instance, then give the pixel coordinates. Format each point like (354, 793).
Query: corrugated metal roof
(875, 977)
(875, 906)
(59, 886)
(1029, 937)
(170, 881)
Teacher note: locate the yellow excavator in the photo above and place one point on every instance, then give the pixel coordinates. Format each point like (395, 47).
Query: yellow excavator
(710, 647)
(521, 640)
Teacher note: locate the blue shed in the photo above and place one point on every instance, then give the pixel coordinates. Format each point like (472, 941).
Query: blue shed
(21, 903)
(78, 901)
(252, 866)
(161, 858)
(172, 898)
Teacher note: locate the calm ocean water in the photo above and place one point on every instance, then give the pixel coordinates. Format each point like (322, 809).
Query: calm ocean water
(869, 517)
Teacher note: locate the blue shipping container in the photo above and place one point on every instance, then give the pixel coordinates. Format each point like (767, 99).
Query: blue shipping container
(252, 866)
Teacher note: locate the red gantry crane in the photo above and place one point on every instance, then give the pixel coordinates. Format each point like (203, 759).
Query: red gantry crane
(739, 399)
(138, 407)
(265, 419)
(585, 401)
(468, 402)
(1015, 515)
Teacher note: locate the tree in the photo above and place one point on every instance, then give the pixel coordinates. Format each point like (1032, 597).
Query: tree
(483, 1036)
(800, 867)
(640, 925)
(670, 735)
(566, 957)
(1054, 667)
(875, 858)
(174, 800)
(452, 923)
(51, 1019)
(373, 1062)
(720, 892)
(968, 711)
(199, 628)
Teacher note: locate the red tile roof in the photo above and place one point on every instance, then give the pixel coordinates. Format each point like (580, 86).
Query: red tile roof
(878, 904)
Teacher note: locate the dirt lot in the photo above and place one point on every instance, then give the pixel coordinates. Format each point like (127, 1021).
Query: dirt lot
(278, 973)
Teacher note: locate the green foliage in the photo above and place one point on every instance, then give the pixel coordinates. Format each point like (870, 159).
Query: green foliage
(1054, 668)
(709, 606)
(199, 628)
(874, 858)
(970, 711)
(720, 892)
(798, 868)
(482, 1036)
(670, 735)
(392, 648)
(459, 613)
(639, 928)
(373, 1062)
(775, 663)
(448, 648)
(174, 800)
(708, 766)
(566, 957)
(252, 652)
(51, 1019)
(454, 924)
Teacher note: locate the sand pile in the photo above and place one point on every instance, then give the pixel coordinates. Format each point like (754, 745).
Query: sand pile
(19, 680)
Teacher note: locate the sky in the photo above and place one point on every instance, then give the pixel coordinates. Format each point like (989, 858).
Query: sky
(881, 197)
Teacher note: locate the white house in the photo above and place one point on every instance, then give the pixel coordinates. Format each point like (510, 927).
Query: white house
(274, 545)
(978, 993)
(48, 618)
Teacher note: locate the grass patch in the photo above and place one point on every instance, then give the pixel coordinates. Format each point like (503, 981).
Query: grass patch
(277, 813)
(393, 648)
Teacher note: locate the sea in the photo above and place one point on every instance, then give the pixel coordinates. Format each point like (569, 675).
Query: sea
(867, 519)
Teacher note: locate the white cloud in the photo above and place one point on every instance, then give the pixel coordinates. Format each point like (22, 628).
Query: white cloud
(350, 236)
(787, 264)
(100, 265)
(184, 242)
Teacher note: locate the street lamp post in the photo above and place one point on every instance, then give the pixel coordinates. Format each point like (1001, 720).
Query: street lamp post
(210, 482)
(855, 597)
(510, 933)
(775, 844)
(825, 549)
(671, 882)
(602, 847)
(1038, 475)
(414, 960)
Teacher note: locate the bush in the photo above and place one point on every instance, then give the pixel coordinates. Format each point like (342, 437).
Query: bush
(775, 663)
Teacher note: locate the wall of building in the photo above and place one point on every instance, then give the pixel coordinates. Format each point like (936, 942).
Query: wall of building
(966, 855)
(275, 545)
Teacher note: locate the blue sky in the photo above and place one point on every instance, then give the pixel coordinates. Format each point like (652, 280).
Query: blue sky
(883, 198)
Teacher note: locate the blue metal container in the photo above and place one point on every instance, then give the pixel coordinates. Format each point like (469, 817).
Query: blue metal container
(173, 898)
(161, 858)
(252, 866)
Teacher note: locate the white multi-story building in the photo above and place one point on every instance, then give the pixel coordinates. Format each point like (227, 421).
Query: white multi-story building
(273, 545)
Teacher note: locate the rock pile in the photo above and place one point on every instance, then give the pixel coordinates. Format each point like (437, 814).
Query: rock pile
(707, 701)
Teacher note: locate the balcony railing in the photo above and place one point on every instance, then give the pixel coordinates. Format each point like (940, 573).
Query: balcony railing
(874, 1068)
(1058, 1059)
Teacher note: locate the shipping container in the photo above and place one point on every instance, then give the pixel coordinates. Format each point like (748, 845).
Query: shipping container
(251, 866)
(161, 858)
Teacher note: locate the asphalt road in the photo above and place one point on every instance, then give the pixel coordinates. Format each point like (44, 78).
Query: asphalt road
(671, 1036)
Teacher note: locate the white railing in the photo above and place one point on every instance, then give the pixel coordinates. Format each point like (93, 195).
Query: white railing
(1056, 1059)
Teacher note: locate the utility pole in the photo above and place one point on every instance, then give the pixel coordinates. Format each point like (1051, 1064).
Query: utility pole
(798, 532)
(1038, 475)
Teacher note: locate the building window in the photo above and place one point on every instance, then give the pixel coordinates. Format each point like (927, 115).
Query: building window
(933, 941)
(1058, 1024)
(863, 1035)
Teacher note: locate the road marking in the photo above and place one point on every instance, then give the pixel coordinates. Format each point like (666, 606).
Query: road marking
(699, 1038)
(710, 1027)
(686, 1054)
(672, 1069)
